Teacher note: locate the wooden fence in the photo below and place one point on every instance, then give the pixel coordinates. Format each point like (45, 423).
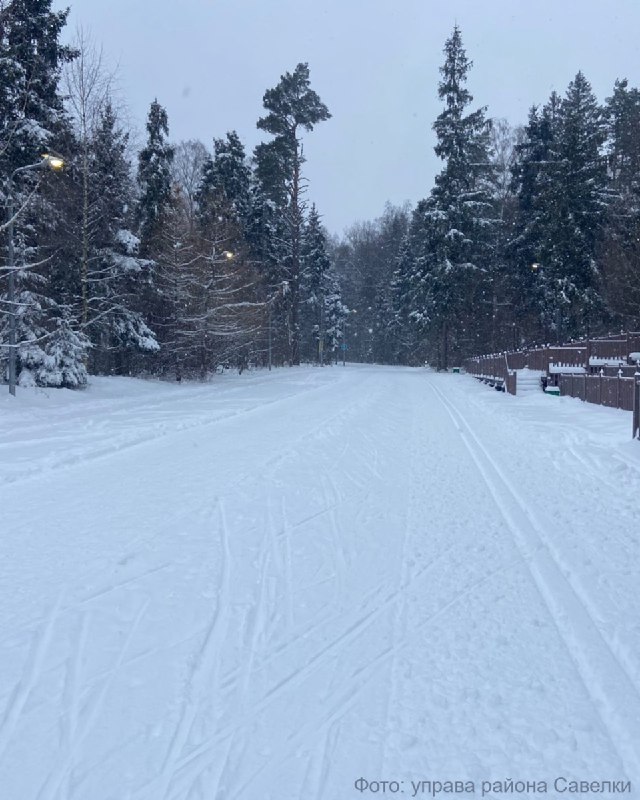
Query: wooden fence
(494, 370)
(600, 389)
(595, 370)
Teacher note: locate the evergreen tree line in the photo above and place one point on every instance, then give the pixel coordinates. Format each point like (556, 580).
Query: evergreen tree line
(529, 235)
(174, 260)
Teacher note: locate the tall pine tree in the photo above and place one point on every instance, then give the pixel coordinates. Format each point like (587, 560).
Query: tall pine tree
(293, 107)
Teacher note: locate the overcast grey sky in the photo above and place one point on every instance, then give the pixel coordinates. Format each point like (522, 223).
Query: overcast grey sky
(373, 62)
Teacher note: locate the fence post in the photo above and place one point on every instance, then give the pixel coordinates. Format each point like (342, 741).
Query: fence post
(600, 389)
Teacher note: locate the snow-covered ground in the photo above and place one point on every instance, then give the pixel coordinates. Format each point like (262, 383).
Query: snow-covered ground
(273, 585)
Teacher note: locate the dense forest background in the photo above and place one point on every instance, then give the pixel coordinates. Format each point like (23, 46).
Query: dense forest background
(178, 259)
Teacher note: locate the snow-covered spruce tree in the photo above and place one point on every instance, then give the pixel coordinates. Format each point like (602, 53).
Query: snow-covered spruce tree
(266, 235)
(562, 190)
(622, 120)
(382, 318)
(335, 316)
(32, 121)
(408, 347)
(292, 107)
(116, 276)
(64, 362)
(536, 184)
(155, 168)
(619, 252)
(584, 213)
(225, 187)
(365, 261)
(322, 309)
(503, 328)
(154, 178)
(451, 231)
(31, 60)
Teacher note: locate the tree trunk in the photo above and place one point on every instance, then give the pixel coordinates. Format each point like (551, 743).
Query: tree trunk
(85, 233)
(445, 346)
(296, 234)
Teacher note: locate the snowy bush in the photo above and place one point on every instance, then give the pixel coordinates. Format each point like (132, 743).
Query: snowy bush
(64, 362)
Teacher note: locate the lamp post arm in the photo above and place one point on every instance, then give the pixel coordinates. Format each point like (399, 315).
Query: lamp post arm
(48, 161)
(11, 217)
(12, 214)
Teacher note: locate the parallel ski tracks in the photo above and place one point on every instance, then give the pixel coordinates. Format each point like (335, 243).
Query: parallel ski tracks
(205, 674)
(81, 706)
(79, 729)
(107, 451)
(606, 679)
(270, 464)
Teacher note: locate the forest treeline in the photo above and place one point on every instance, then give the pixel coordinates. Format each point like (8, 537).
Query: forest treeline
(175, 259)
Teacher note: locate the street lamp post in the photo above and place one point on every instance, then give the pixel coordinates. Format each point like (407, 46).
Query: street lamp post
(321, 333)
(344, 338)
(283, 288)
(47, 162)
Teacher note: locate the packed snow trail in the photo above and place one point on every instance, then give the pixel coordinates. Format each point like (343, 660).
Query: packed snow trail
(271, 586)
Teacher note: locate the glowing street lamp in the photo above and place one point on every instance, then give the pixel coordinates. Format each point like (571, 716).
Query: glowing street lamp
(56, 164)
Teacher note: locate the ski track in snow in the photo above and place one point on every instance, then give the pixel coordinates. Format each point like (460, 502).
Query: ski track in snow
(318, 590)
(25, 685)
(604, 675)
(204, 675)
(113, 448)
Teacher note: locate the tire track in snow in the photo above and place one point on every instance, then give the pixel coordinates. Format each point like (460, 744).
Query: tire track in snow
(614, 694)
(256, 637)
(314, 778)
(71, 695)
(274, 460)
(107, 450)
(214, 785)
(398, 632)
(203, 675)
(348, 697)
(89, 598)
(288, 565)
(89, 716)
(358, 624)
(331, 497)
(271, 463)
(350, 692)
(33, 668)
